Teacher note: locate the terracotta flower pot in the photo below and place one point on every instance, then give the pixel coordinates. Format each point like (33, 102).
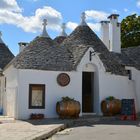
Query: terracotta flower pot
(68, 109)
(36, 116)
(111, 107)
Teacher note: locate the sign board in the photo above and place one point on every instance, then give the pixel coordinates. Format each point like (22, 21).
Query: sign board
(128, 107)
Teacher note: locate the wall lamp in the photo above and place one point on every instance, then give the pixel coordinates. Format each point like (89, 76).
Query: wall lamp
(91, 53)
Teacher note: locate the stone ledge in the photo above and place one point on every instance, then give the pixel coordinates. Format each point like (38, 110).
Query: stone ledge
(44, 134)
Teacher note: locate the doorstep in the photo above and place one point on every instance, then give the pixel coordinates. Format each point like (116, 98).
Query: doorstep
(5, 119)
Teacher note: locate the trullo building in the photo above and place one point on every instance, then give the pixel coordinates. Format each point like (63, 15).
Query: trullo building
(80, 65)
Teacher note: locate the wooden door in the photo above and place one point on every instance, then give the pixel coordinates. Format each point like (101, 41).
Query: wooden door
(87, 92)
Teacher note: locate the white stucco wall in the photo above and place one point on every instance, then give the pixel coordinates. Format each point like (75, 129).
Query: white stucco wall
(53, 92)
(107, 84)
(1, 91)
(96, 66)
(118, 86)
(136, 80)
(10, 95)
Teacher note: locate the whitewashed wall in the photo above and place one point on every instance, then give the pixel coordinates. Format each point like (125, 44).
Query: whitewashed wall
(53, 92)
(10, 95)
(96, 66)
(136, 81)
(107, 84)
(1, 91)
(118, 86)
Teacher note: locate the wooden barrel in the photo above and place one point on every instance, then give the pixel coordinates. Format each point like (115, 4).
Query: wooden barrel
(111, 107)
(68, 109)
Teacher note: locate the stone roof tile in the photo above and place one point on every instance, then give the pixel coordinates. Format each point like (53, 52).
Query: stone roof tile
(43, 53)
(5, 55)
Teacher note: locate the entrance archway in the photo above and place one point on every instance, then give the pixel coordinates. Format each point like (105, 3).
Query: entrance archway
(89, 88)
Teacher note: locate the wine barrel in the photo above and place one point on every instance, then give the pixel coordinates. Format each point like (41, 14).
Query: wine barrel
(68, 109)
(111, 107)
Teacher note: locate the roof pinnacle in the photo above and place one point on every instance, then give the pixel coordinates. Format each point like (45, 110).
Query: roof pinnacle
(83, 17)
(44, 32)
(63, 27)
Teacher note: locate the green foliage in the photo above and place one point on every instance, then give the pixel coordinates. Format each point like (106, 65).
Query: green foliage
(110, 98)
(130, 31)
(67, 99)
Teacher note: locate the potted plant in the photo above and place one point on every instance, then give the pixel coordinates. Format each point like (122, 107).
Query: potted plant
(35, 116)
(111, 106)
(68, 108)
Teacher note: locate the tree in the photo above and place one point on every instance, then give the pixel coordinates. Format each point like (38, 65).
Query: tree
(130, 31)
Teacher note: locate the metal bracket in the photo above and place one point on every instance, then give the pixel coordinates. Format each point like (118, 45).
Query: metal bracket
(91, 53)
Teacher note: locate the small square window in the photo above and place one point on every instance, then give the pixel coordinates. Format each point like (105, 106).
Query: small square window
(36, 96)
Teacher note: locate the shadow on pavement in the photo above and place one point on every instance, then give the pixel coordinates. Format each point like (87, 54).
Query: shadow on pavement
(106, 122)
(90, 122)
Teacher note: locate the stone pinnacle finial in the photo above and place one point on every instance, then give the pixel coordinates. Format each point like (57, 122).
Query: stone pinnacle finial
(0, 38)
(83, 17)
(44, 33)
(63, 33)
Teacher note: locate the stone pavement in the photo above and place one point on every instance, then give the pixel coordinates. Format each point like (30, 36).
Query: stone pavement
(35, 129)
(11, 129)
(29, 130)
(101, 130)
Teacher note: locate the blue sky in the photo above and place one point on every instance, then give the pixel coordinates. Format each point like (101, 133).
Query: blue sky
(21, 20)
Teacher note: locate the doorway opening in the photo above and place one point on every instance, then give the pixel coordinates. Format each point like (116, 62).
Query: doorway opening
(88, 92)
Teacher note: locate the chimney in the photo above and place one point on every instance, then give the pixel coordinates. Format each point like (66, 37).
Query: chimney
(115, 34)
(22, 46)
(105, 33)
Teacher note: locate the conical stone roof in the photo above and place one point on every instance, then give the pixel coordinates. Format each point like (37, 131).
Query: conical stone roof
(43, 54)
(5, 54)
(59, 39)
(81, 39)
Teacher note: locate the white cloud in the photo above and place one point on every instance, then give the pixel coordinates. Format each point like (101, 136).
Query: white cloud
(138, 3)
(95, 26)
(10, 5)
(71, 25)
(29, 23)
(11, 13)
(96, 15)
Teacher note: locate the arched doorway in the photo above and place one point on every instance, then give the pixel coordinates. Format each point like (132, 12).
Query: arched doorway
(89, 76)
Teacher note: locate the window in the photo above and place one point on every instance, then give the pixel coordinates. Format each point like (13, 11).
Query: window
(36, 96)
(129, 74)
